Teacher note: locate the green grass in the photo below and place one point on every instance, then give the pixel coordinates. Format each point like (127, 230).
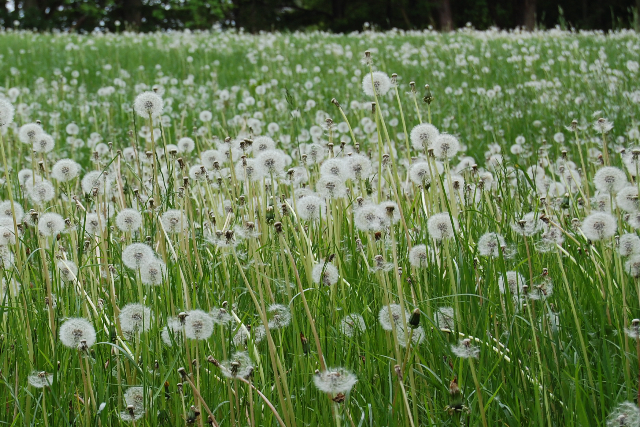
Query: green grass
(561, 360)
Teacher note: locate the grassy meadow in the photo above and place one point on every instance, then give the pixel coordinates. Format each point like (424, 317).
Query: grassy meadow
(229, 229)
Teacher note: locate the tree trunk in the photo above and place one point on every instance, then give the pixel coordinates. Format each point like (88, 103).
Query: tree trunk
(530, 15)
(446, 18)
(132, 12)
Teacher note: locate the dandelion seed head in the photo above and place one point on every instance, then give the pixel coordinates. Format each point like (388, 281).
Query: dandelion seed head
(68, 270)
(599, 226)
(443, 318)
(490, 245)
(40, 379)
(610, 179)
(153, 272)
(220, 316)
(279, 316)
(352, 325)
(137, 254)
(358, 167)
(629, 244)
(376, 83)
(271, 163)
(6, 112)
(391, 313)
(325, 273)
(441, 226)
(310, 208)
(239, 365)
(528, 224)
(465, 350)
(75, 330)
(626, 414)
(9, 288)
(445, 146)
(370, 218)
(335, 380)
(418, 256)
(262, 143)
(174, 221)
(172, 332)
(627, 199)
(514, 281)
(331, 187)
(198, 325)
(135, 318)
(41, 192)
(148, 104)
(186, 145)
(423, 136)
(29, 133)
(94, 223)
(44, 143)
(129, 220)
(65, 170)
(50, 224)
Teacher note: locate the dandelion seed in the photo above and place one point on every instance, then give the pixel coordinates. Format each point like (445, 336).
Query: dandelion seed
(148, 104)
(40, 379)
(220, 316)
(352, 325)
(174, 221)
(626, 414)
(6, 112)
(172, 332)
(270, 163)
(43, 144)
(50, 224)
(310, 208)
(610, 179)
(132, 414)
(633, 332)
(279, 316)
(465, 350)
(325, 273)
(98, 180)
(186, 145)
(391, 313)
(198, 325)
(370, 218)
(627, 199)
(418, 256)
(128, 220)
(262, 143)
(441, 226)
(335, 167)
(443, 318)
(212, 159)
(335, 380)
(41, 192)
(77, 333)
(629, 244)
(376, 83)
(65, 170)
(137, 254)
(490, 245)
(9, 210)
(528, 225)
(29, 133)
(153, 273)
(239, 366)
(602, 126)
(423, 136)
(135, 318)
(599, 226)
(445, 146)
(68, 270)
(514, 281)
(358, 167)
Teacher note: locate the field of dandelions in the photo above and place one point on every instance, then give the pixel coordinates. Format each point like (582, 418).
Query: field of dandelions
(294, 230)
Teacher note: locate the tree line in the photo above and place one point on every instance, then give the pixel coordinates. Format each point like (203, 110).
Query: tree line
(330, 15)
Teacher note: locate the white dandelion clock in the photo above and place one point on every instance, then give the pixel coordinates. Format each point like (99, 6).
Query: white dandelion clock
(418, 256)
(629, 244)
(352, 325)
(610, 179)
(186, 145)
(65, 170)
(44, 143)
(68, 270)
(443, 318)
(599, 226)
(137, 254)
(335, 380)
(445, 146)
(50, 224)
(325, 273)
(490, 245)
(135, 318)
(423, 136)
(148, 104)
(377, 83)
(239, 366)
(6, 112)
(153, 273)
(172, 332)
(174, 221)
(465, 350)
(40, 379)
(627, 199)
(279, 316)
(528, 224)
(29, 133)
(514, 281)
(77, 333)
(198, 325)
(442, 226)
(220, 316)
(310, 208)
(626, 414)
(129, 220)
